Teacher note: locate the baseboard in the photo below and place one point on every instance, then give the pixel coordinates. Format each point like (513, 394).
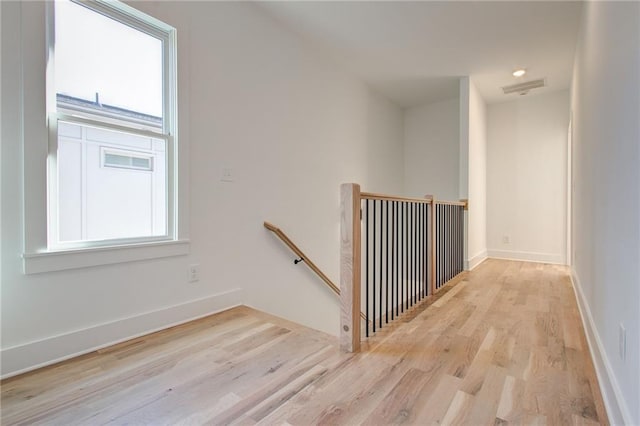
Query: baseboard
(470, 264)
(612, 396)
(527, 256)
(22, 358)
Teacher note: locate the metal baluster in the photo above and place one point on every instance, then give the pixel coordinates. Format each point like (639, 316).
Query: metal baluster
(436, 267)
(373, 270)
(438, 254)
(427, 233)
(396, 263)
(461, 239)
(393, 258)
(436, 247)
(450, 242)
(409, 253)
(423, 264)
(366, 280)
(386, 290)
(416, 275)
(420, 262)
(400, 256)
(429, 242)
(458, 270)
(454, 252)
(406, 256)
(440, 245)
(415, 253)
(411, 235)
(453, 233)
(381, 249)
(454, 241)
(446, 237)
(426, 250)
(415, 234)
(446, 243)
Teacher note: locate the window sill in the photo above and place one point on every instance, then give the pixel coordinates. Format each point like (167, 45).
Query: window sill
(49, 261)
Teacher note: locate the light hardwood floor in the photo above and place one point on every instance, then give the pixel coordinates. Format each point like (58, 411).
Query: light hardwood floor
(503, 345)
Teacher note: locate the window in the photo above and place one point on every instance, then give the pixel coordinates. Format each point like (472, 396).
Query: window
(127, 160)
(111, 91)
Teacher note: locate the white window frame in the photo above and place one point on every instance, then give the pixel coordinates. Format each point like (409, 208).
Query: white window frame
(39, 129)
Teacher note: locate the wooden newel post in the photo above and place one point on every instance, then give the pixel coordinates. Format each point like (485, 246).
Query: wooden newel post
(350, 282)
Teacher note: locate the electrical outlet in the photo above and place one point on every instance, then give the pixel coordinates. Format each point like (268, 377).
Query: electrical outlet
(194, 273)
(227, 175)
(622, 342)
(506, 239)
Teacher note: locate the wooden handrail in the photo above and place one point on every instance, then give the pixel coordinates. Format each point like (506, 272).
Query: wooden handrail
(452, 203)
(374, 196)
(285, 239)
(271, 227)
(426, 200)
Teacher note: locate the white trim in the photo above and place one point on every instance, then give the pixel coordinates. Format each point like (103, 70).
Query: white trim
(612, 395)
(48, 261)
(470, 264)
(97, 123)
(29, 356)
(128, 15)
(527, 256)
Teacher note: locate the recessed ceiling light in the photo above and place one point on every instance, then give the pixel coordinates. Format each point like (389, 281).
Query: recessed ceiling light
(519, 72)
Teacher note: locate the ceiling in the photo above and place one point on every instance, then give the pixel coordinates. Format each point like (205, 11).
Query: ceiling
(414, 52)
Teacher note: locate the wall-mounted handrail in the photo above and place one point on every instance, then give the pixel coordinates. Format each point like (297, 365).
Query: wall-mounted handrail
(271, 227)
(303, 257)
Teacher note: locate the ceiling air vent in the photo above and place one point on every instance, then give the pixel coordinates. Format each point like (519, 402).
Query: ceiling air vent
(523, 88)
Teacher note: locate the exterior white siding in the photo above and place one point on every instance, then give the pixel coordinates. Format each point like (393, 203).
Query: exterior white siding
(98, 200)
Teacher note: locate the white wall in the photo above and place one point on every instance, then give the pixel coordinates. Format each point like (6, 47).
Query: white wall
(605, 103)
(526, 178)
(253, 98)
(431, 150)
(473, 170)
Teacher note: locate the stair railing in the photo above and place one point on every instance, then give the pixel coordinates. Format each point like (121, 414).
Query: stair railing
(395, 250)
(448, 234)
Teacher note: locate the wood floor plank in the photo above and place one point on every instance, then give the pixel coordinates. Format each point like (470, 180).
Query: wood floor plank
(511, 394)
(458, 409)
(355, 406)
(397, 406)
(504, 344)
(487, 399)
(437, 400)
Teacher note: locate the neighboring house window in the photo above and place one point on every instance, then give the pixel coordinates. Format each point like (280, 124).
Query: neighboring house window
(112, 124)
